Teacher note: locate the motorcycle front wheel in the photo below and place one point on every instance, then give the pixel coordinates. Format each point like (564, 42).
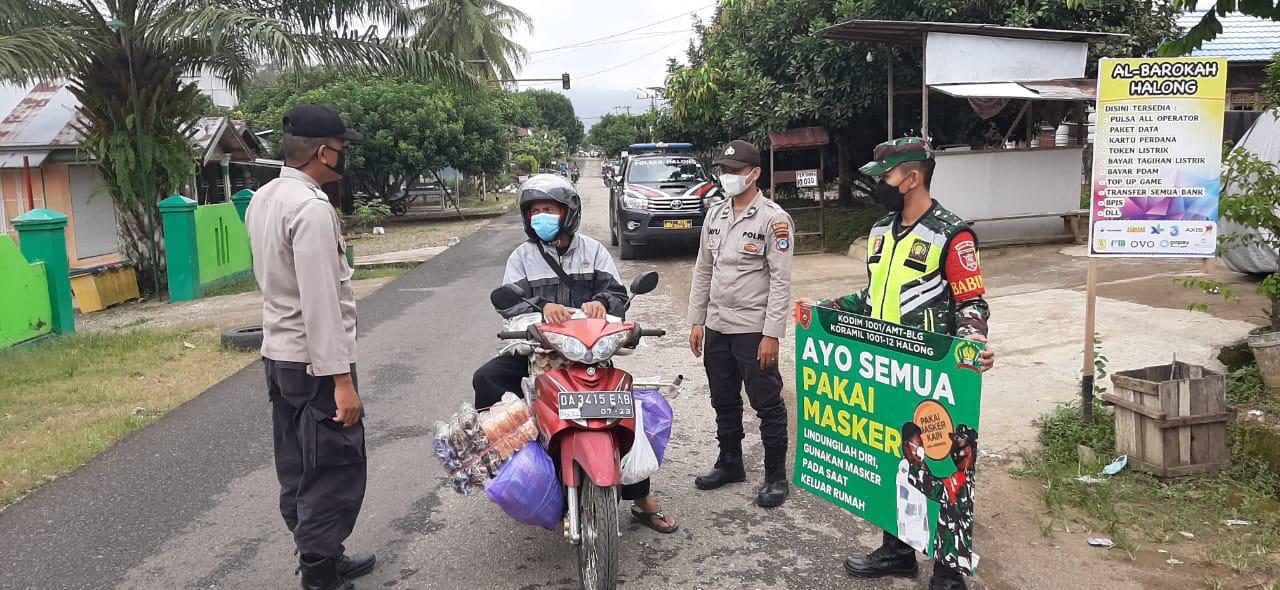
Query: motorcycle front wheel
(598, 552)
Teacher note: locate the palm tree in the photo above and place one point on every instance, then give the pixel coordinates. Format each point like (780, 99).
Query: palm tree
(109, 51)
(475, 31)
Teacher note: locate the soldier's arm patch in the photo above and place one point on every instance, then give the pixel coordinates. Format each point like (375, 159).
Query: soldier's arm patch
(782, 236)
(963, 270)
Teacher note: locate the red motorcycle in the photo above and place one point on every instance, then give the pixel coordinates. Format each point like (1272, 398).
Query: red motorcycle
(585, 412)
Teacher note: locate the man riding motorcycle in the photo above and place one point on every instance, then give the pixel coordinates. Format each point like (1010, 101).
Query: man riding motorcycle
(560, 269)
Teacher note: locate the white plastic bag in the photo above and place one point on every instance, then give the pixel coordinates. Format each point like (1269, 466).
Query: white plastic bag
(639, 463)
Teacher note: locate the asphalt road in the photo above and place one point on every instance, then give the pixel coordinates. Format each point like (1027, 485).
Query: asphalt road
(190, 501)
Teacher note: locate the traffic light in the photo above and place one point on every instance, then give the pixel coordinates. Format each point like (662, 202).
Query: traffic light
(564, 80)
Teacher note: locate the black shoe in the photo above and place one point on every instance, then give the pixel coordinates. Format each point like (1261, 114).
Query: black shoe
(947, 583)
(775, 489)
(728, 468)
(945, 578)
(322, 575)
(354, 566)
(885, 561)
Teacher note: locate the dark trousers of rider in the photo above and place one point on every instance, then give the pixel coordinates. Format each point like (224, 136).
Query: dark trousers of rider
(731, 362)
(502, 374)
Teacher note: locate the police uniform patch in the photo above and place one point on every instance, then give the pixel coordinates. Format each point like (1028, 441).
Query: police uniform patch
(782, 236)
(919, 251)
(751, 248)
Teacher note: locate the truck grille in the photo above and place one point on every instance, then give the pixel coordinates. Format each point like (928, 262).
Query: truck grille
(689, 204)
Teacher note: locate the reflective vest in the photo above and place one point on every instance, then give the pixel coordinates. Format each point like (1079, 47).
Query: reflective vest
(908, 285)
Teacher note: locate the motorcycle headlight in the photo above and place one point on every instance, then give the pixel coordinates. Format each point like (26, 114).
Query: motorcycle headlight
(572, 348)
(608, 345)
(633, 202)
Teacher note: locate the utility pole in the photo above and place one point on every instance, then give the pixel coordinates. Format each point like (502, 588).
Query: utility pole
(652, 93)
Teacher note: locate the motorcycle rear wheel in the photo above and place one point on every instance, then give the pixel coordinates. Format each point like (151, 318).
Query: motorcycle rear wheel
(598, 551)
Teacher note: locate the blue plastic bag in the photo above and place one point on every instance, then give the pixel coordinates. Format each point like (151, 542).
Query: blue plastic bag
(527, 489)
(657, 419)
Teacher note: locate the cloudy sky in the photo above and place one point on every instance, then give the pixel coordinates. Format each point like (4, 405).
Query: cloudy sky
(608, 47)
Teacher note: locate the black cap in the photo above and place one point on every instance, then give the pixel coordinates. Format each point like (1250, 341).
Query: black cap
(317, 120)
(738, 154)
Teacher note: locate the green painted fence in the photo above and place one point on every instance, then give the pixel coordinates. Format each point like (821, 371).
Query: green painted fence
(222, 246)
(25, 312)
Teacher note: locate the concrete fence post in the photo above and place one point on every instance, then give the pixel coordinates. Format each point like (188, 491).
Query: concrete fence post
(42, 238)
(241, 200)
(179, 219)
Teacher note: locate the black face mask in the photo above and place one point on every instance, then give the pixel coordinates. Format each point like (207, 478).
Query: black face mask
(341, 166)
(888, 195)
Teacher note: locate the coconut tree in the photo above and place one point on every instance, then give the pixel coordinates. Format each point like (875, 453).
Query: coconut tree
(476, 31)
(124, 60)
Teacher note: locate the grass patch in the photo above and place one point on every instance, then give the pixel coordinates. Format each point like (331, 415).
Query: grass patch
(1133, 508)
(246, 286)
(382, 272)
(842, 225)
(64, 400)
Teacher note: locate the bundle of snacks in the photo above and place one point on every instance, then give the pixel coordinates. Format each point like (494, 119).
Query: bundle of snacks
(473, 445)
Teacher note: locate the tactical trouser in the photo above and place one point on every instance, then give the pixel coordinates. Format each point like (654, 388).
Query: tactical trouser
(732, 362)
(320, 464)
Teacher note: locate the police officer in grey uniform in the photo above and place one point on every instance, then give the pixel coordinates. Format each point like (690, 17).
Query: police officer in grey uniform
(309, 347)
(739, 306)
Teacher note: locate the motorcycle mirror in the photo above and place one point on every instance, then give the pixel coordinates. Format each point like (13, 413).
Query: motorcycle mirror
(506, 296)
(644, 283)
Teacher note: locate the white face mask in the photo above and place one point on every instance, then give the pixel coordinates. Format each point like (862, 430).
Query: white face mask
(734, 184)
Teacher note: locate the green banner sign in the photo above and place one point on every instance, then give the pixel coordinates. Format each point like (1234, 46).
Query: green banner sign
(888, 427)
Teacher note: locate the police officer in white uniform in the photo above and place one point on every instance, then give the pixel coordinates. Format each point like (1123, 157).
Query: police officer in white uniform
(739, 308)
(309, 347)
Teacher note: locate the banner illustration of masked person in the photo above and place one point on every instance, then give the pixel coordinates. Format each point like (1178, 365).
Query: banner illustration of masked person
(953, 538)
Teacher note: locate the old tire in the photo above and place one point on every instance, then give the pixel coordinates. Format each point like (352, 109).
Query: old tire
(613, 232)
(242, 338)
(598, 551)
(398, 208)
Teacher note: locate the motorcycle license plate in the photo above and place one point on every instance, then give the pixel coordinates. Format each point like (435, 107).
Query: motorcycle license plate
(677, 224)
(596, 404)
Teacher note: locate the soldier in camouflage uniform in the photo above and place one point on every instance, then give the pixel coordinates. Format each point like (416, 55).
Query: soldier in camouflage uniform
(924, 269)
(953, 537)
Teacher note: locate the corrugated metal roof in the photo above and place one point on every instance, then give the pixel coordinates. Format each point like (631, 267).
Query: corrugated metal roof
(1243, 38)
(43, 117)
(800, 137)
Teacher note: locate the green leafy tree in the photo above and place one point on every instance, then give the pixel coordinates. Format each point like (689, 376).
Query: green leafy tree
(413, 129)
(556, 113)
(614, 132)
(1252, 192)
(94, 43)
(758, 66)
(547, 147)
(473, 31)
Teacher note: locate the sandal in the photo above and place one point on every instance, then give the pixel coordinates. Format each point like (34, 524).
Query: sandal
(646, 519)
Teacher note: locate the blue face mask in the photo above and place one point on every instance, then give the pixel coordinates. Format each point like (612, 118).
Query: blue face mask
(546, 225)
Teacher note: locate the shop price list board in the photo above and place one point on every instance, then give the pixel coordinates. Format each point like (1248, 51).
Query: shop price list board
(1157, 157)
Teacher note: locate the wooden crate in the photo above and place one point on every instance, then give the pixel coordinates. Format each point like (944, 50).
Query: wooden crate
(1171, 420)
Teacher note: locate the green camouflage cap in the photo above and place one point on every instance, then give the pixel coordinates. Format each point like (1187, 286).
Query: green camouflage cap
(897, 151)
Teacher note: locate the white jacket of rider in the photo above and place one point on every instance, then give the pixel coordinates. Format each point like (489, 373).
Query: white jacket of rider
(585, 262)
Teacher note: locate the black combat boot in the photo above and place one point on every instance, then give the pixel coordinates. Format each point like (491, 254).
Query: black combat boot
(945, 578)
(728, 467)
(322, 574)
(893, 558)
(775, 490)
(354, 566)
